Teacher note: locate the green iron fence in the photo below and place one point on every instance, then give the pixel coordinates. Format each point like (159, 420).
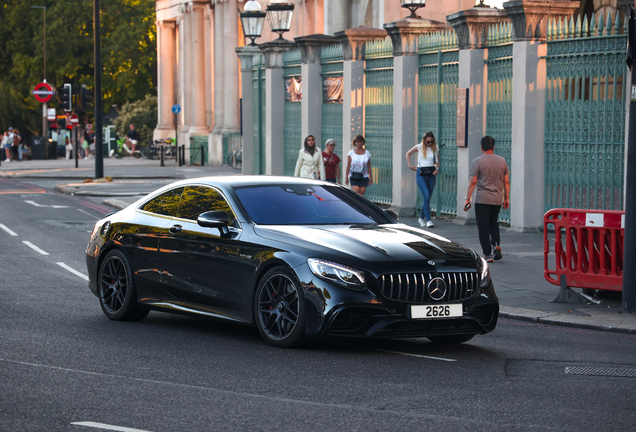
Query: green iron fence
(292, 141)
(378, 100)
(198, 144)
(438, 78)
(585, 114)
(258, 95)
(331, 62)
(499, 94)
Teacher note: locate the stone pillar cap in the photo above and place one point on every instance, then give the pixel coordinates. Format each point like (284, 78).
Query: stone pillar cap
(471, 25)
(530, 17)
(405, 33)
(308, 45)
(245, 54)
(353, 40)
(273, 52)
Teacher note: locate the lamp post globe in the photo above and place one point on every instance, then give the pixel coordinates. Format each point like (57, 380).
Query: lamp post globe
(279, 15)
(413, 5)
(252, 19)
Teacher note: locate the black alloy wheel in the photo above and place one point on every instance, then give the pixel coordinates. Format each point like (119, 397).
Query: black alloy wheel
(279, 309)
(116, 289)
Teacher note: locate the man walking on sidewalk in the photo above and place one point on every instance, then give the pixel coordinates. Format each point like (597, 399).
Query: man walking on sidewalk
(490, 174)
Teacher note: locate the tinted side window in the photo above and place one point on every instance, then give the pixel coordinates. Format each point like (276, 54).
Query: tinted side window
(201, 199)
(166, 204)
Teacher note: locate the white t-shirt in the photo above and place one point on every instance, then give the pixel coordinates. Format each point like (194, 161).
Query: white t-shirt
(359, 163)
(427, 158)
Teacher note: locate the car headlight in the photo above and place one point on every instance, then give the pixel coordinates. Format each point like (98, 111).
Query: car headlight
(337, 273)
(485, 273)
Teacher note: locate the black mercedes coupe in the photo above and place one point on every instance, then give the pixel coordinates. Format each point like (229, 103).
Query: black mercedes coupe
(294, 257)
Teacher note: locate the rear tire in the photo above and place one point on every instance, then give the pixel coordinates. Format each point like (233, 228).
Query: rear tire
(279, 309)
(116, 289)
(451, 339)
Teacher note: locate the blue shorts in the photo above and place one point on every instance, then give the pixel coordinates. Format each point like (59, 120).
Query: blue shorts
(363, 182)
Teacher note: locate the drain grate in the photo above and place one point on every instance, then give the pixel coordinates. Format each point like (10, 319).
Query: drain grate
(597, 371)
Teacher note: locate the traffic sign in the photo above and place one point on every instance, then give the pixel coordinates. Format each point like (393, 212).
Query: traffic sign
(50, 114)
(74, 119)
(43, 92)
(176, 108)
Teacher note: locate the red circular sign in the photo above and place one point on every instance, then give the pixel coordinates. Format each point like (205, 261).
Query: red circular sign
(43, 92)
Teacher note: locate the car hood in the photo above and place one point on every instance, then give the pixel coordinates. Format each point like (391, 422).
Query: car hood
(374, 243)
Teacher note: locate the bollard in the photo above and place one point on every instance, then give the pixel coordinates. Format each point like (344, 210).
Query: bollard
(202, 155)
(162, 164)
(183, 162)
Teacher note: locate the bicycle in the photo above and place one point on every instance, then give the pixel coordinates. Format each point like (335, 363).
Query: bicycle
(153, 151)
(235, 160)
(122, 150)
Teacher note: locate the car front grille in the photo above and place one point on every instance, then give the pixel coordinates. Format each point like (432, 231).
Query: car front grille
(413, 287)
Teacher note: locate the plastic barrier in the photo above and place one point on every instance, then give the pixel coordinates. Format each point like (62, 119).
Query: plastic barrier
(589, 248)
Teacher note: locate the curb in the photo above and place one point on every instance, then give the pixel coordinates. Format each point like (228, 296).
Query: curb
(556, 319)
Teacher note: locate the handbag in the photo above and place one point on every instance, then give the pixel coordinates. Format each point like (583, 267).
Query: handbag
(427, 171)
(356, 175)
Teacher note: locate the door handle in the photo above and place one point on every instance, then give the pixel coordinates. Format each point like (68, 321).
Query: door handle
(174, 229)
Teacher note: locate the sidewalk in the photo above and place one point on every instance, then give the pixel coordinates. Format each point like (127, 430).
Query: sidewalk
(523, 292)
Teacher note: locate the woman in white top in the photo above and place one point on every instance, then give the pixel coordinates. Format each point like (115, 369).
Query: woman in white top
(309, 163)
(359, 166)
(425, 173)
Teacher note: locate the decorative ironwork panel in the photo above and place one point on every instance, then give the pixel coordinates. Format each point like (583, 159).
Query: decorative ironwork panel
(258, 112)
(331, 62)
(499, 94)
(438, 78)
(378, 131)
(232, 141)
(585, 114)
(292, 128)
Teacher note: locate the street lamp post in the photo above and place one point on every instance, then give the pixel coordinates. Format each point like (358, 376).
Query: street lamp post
(252, 19)
(279, 15)
(45, 123)
(413, 5)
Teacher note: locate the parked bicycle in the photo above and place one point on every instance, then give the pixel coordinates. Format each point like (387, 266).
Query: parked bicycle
(235, 160)
(153, 150)
(122, 150)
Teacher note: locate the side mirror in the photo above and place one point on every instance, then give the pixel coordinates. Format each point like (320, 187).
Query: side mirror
(393, 215)
(214, 219)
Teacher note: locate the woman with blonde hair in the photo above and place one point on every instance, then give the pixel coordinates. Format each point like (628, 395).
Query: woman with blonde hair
(309, 163)
(425, 173)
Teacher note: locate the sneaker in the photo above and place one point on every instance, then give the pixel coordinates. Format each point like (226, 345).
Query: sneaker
(429, 224)
(422, 222)
(488, 258)
(497, 256)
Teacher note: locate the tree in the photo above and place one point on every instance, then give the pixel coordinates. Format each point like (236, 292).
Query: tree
(128, 53)
(142, 114)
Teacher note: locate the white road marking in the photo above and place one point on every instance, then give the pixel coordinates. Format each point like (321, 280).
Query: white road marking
(39, 205)
(8, 230)
(88, 214)
(107, 426)
(35, 248)
(72, 270)
(410, 355)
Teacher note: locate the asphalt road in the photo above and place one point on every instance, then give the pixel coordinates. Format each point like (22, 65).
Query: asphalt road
(65, 367)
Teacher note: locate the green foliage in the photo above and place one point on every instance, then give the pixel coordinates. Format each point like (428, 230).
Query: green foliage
(142, 114)
(128, 48)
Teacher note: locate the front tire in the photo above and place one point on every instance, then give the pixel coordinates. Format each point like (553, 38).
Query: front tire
(279, 309)
(116, 289)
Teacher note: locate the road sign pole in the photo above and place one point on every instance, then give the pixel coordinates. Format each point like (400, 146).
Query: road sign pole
(97, 101)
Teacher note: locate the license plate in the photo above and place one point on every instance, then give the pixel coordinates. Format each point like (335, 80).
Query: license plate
(436, 311)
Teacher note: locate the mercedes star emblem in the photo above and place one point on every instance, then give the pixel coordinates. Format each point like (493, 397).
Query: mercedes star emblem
(437, 288)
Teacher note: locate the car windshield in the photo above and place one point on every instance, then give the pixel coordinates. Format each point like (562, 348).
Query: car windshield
(302, 204)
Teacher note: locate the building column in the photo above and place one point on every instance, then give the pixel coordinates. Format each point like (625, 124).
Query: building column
(196, 89)
(404, 36)
(231, 121)
(246, 55)
(311, 115)
(353, 45)
(166, 71)
(471, 27)
(530, 20)
(274, 105)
